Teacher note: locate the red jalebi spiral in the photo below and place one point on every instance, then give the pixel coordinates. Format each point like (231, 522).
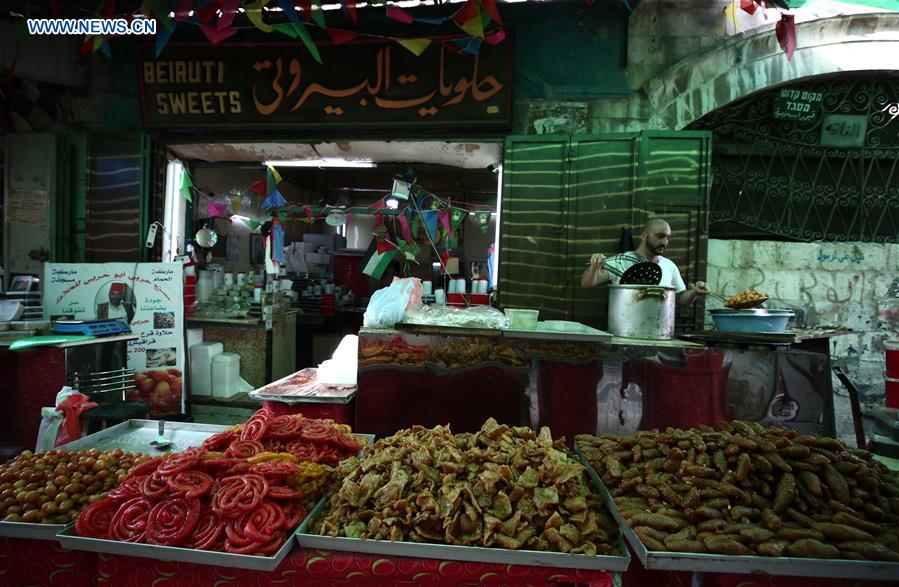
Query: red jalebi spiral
(172, 521)
(130, 522)
(244, 449)
(94, 520)
(192, 483)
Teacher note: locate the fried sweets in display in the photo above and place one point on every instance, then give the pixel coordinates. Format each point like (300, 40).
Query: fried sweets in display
(748, 489)
(500, 487)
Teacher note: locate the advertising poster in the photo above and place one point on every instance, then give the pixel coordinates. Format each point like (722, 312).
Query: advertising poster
(149, 297)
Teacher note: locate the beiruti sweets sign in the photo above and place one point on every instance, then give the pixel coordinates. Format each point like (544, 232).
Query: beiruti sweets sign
(369, 84)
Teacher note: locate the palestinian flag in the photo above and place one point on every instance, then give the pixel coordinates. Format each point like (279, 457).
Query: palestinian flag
(377, 258)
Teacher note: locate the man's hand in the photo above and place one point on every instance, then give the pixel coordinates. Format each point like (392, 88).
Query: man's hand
(700, 290)
(595, 273)
(598, 261)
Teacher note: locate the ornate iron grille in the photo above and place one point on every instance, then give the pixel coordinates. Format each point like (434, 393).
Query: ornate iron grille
(772, 179)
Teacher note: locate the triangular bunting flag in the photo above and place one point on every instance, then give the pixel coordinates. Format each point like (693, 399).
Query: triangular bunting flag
(162, 38)
(259, 187)
(236, 202)
(287, 28)
(216, 209)
(276, 177)
(415, 224)
(474, 27)
(404, 226)
(306, 6)
(274, 200)
(785, 31)
(483, 218)
(340, 36)
(467, 12)
(375, 262)
(496, 37)
(307, 39)
(253, 223)
(349, 8)
(254, 13)
(457, 215)
(229, 9)
(444, 218)
(430, 221)
(216, 35)
(186, 184)
(318, 15)
(182, 10)
(400, 15)
(491, 9)
(415, 46)
(204, 14)
(289, 10)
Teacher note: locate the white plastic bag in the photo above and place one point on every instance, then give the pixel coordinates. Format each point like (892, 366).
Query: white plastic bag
(51, 420)
(388, 305)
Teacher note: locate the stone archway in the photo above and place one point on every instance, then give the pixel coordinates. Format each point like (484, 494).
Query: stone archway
(746, 64)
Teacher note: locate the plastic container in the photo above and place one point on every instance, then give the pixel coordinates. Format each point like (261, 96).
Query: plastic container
(522, 319)
(891, 349)
(760, 321)
(225, 375)
(479, 299)
(201, 356)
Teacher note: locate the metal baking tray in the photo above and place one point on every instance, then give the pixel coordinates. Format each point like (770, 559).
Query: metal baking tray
(561, 560)
(30, 531)
(723, 563)
(68, 538)
(136, 436)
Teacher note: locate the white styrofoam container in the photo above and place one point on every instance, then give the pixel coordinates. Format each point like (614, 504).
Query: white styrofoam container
(201, 367)
(225, 375)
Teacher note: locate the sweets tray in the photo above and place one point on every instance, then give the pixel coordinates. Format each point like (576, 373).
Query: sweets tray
(132, 436)
(307, 539)
(740, 564)
(68, 538)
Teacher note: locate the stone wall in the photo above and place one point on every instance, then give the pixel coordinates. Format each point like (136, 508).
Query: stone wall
(852, 285)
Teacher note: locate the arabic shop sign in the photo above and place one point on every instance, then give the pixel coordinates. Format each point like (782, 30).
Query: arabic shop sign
(369, 84)
(798, 105)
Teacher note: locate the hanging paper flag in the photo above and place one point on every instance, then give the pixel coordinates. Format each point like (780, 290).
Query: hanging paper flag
(162, 38)
(433, 21)
(204, 14)
(340, 36)
(349, 8)
(277, 241)
(785, 31)
(288, 8)
(415, 224)
(399, 14)
(379, 222)
(307, 210)
(104, 48)
(259, 187)
(318, 15)
(467, 12)
(253, 223)
(444, 217)
(730, 12)
(404, 226)
(217, 209)
(182, 11)
(483, 218)
(491, 9)
(274, 200)
(444, 260)
(307, 40)
(254, 13)
(228, 10)
(430, 221)
(216, 35)
(87, 47)
(495, 37)
(98, 43)
(276, 177)
(471, 46)
(474, 27)
(748, 6)
(236, 201)
(186, 184)
(415, 46)
(376, 261)
(287, 28)
(457, 215)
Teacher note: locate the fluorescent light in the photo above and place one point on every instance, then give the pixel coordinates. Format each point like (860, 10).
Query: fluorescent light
(499, 208)
(323, 162)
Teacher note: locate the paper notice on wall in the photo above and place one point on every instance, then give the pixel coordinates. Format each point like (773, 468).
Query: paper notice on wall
(149, 297)
(26, 207)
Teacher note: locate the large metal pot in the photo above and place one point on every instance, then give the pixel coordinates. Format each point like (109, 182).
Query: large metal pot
(641, 311)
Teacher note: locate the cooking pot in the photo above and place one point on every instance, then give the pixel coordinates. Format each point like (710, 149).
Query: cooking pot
(641, 311)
